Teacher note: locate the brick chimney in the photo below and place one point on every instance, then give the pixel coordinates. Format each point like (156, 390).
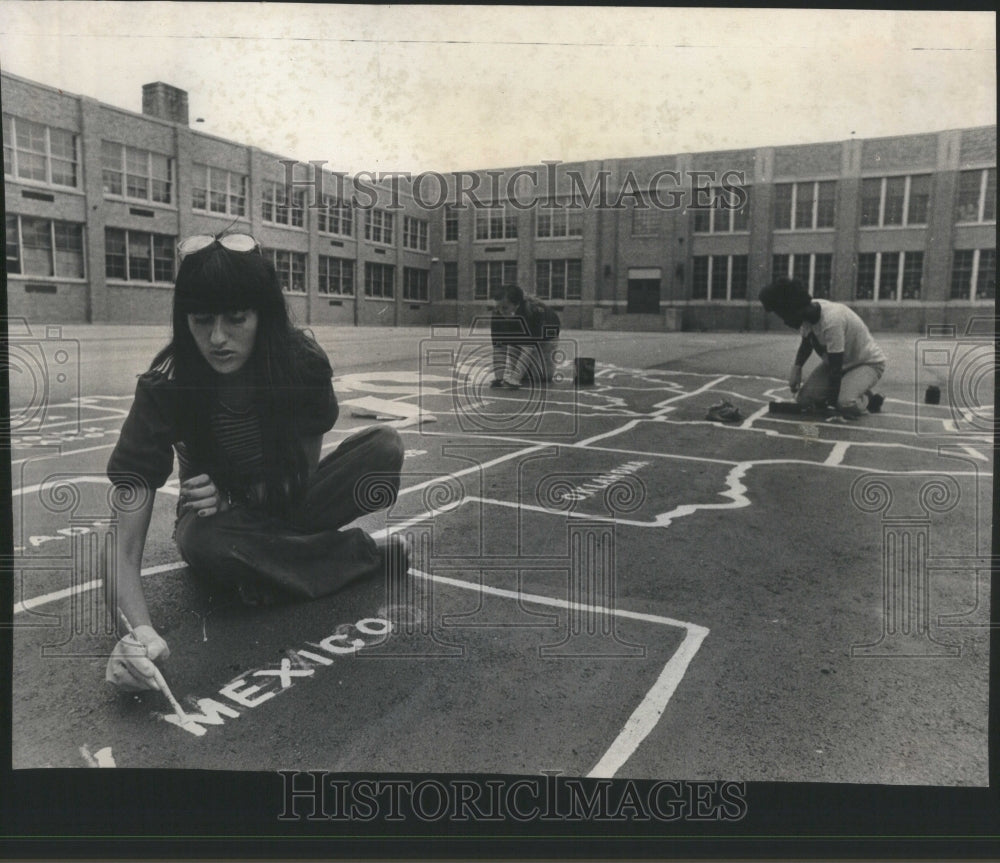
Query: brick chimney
(165, 102)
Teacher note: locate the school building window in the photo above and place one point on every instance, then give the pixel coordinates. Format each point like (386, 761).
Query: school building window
(889, 276)
(44, 247)
(290, 267)
(415, 285)
(559, 279)
(895, 201)
(278, 209)
(335, 217)
(728, 212)
(497, 222)
(450, 286)
(336, 276)
(977, 196)
(813, 271)
(414, 233)
(804, 206)
(450, 223)
(138, 256)
(558, 219)
(216, 190)
(490, 275)
(974, 274)
(378, 226)
(380, 280)
(719, 277)
(34, 151)
(130, 172)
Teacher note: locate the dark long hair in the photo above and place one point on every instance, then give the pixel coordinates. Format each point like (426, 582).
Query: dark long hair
(214, 281)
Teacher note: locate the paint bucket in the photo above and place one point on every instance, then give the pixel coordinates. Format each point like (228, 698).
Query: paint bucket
(933, 395)
(584, 372)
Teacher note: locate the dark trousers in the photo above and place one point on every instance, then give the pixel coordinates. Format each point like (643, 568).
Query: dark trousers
(308, 554)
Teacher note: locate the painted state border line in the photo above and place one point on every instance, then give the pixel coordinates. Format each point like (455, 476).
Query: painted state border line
(637, 727)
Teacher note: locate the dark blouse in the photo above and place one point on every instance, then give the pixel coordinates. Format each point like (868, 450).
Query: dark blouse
(149, 435)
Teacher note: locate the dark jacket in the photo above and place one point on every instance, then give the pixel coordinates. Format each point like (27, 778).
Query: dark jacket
(532, 322)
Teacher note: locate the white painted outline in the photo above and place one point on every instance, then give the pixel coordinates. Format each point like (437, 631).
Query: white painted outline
(649, 711)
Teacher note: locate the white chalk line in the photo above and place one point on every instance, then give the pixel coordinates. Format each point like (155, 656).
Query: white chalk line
(647, 714)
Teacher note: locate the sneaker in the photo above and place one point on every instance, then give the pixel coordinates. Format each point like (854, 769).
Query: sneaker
(725, 412)
(875, 403)
(511, 385)
(496, 384)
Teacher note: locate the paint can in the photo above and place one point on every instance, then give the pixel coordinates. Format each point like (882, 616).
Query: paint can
(933, 395)
(584, 372)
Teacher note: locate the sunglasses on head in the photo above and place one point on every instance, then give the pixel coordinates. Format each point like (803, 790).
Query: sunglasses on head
(233, 242)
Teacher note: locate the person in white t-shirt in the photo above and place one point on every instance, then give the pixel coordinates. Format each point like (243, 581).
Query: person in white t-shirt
(851, 361)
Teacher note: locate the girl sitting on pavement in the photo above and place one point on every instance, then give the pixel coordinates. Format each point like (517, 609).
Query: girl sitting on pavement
(244, 398)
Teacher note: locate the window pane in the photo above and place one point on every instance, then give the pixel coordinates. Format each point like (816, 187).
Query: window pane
(865, 287)
(8, 145)
(920, 195)
(825, 209)
(895, 188)
(800, 269)
(783, 206)
(871, 195)
(986, 283)
(913, 267)
(114, 253)
(967, 206)
(139, 265)
(888, 276)
(804, 205)
(961, 275)
(13, 246)
(542, 272)
(36, 252)
(719, 277)
(822, 276)
(574, 280)
(163, 258)
(31, 166)
(990, 204)
(69, 250)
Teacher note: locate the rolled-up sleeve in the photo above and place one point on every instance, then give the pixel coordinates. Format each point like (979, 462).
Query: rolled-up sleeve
(145, 447)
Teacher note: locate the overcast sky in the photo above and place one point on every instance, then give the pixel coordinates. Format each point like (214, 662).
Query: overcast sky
(379, 88)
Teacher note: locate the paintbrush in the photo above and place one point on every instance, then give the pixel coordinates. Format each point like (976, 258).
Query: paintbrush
(161, 683)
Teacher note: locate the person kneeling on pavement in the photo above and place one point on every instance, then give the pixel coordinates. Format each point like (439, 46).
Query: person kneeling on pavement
(851, 361)
(525, 336)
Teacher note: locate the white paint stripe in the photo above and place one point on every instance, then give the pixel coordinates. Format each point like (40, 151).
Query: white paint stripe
(685, 395)
(837, 454)
(646, 716)
(95, 584)
(627, 427)
(539, 599)
(756, 415)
